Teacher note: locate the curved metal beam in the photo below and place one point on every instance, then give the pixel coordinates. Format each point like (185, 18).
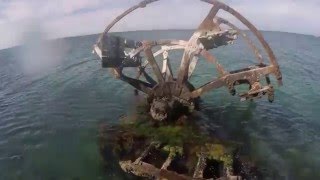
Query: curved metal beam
(190, 50)
(245, 37)
(142, 4)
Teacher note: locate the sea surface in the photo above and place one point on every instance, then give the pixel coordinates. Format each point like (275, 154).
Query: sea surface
(54, 96)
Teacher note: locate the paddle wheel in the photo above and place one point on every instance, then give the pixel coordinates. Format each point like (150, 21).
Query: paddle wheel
(167, 90)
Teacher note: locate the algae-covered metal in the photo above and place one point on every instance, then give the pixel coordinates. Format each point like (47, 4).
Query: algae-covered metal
(178, 150)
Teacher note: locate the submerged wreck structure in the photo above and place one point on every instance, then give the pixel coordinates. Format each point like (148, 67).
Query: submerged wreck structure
(171, 94)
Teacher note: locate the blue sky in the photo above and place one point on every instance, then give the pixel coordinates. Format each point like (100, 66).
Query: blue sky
(61, 18)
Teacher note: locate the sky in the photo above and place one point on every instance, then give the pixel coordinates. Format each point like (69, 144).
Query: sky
(63, 18)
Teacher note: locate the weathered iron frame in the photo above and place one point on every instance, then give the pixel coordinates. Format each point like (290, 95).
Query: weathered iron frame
(193, 49)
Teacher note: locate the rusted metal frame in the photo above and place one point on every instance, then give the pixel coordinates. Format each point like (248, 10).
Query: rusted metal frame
(228, 80)
(193, 44)
(154, 65)
(256, 32)
(138, 84)
(245, 37)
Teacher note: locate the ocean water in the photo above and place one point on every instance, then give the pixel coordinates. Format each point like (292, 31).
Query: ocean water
(54, 96)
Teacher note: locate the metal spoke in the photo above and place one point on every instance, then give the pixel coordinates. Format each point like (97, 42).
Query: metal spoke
(154, 65)
(140, 85)
(217, 83)
(188, 54)
(192, 47)
(192, 66)
(210, 58)
(166, 67)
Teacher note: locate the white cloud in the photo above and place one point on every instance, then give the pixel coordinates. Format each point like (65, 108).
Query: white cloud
(77, 17)
(21, 9)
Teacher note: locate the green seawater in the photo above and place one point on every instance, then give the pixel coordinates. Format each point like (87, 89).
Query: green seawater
(49, 119)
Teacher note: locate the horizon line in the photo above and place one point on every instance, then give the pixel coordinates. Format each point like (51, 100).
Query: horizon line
(182, 29)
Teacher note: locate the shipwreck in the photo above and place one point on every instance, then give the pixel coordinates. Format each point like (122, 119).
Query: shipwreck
(171, 94)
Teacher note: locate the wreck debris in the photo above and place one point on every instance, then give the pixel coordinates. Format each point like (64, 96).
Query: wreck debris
(172, 152)
(208, 35)
(148, 149)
